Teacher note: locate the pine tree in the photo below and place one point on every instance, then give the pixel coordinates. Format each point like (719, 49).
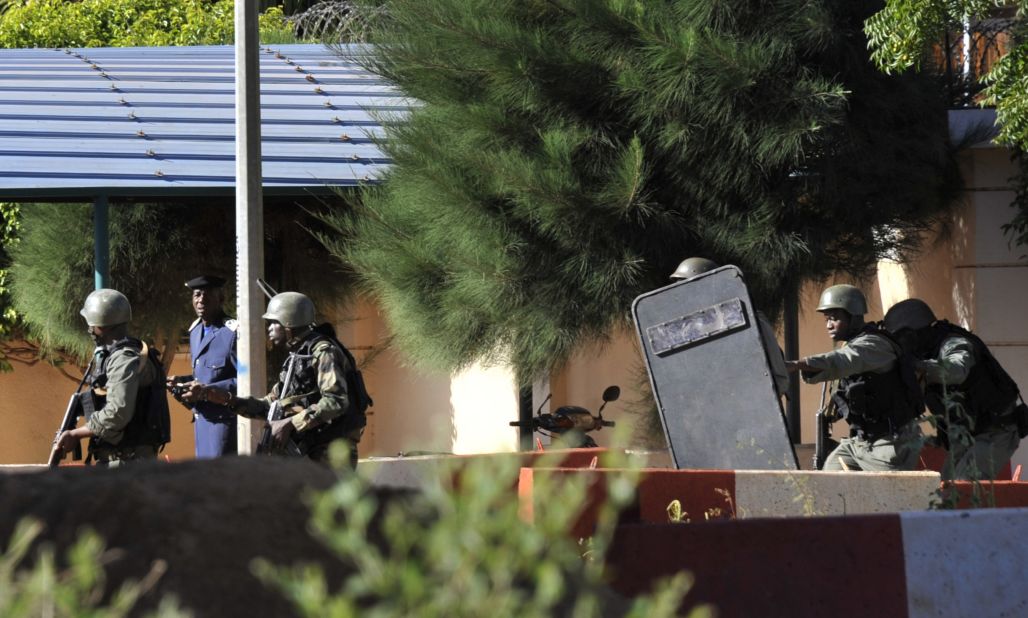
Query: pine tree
(562, 156)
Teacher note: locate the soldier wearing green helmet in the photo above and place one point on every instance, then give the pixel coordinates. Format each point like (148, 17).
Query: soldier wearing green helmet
(127, 416)
(873, 395)
(965, 387)
(319, 388)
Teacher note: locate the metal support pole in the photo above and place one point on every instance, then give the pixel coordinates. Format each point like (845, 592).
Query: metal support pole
(525, 433)
(101, 244)
(252, 373)
(790, 328)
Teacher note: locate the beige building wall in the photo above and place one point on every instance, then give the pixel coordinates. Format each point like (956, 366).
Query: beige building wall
(35, 395)
(421, 411)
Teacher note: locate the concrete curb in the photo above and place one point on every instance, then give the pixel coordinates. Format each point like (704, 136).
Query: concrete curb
(415, 471)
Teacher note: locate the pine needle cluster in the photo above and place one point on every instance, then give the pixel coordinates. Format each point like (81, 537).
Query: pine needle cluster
(52, 271)
(154, 249)
(562, 156)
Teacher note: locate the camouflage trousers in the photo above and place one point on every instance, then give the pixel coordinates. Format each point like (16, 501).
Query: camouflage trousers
(897, 453)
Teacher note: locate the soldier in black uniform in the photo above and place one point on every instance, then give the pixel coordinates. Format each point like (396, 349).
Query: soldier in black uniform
(964, 386)
(873, 396)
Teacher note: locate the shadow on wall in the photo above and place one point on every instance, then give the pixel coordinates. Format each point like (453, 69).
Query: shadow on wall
(35, 396)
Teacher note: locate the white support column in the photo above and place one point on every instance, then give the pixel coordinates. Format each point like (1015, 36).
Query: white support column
(252, 373)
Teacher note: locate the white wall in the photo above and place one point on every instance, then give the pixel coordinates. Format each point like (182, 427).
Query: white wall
(999, 292)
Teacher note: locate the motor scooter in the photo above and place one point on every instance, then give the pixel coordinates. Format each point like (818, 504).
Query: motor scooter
(569, 426)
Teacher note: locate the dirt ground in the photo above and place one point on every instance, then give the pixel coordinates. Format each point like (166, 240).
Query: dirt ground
(207, 519)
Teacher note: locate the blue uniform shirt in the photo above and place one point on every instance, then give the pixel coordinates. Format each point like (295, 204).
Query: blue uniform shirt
(213, 353)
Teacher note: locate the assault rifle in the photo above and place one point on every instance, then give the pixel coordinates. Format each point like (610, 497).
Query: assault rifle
(276, 412)
(823, 443)
(70, 420)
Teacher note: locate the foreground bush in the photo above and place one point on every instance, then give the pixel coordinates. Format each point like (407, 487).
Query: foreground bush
(45, 589)
(462, 547)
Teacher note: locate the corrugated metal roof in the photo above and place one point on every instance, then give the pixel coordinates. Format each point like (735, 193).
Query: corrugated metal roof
(160, 121)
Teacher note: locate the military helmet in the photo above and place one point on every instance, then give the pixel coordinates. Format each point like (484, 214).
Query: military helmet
(290, 309)
(106, 307)
(846, 297)
(693, 266)
(913, 314)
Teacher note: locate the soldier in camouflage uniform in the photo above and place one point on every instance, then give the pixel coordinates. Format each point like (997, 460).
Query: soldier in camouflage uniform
(872, 394)
(122, 380)
(315, 395)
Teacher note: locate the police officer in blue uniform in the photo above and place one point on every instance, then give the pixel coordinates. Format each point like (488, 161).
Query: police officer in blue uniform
(212, 349)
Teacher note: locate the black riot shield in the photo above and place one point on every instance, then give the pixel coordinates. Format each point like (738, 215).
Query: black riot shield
(710, 375)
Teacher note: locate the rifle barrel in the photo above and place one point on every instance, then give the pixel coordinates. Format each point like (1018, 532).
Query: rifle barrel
(70, 418)
(267, 289)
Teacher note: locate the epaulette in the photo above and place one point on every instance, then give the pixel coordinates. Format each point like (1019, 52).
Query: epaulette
(232, 324)
(193, 325)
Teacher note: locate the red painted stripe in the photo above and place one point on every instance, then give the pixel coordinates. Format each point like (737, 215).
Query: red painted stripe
(703, 494)
(1000, 494)
(831, 566)
(596, 495)
(933, 458)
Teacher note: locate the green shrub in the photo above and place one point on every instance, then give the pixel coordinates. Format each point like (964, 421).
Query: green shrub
(77, 591)
(10, 224)
(461, 548)
(127, 23)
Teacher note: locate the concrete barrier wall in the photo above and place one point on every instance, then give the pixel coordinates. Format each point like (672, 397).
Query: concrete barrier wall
(915, 564)
(707, 495)
(414, 472)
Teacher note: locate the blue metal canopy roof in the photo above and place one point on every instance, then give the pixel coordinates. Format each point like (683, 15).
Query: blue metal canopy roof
(160, 121)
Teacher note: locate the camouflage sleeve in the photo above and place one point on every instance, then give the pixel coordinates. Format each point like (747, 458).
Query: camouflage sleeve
(124, 376)
(956, 358)
(331, 378)
(863, 354)
(256, 407)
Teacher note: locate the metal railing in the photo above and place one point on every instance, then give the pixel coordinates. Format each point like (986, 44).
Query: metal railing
(968, 52)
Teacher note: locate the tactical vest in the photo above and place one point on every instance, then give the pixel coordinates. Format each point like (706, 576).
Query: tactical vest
(304, 386)
(151, 421)
(988, 389)
(876, 405)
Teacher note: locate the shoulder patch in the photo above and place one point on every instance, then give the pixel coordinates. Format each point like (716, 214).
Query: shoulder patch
(232, 324)
(194, 324)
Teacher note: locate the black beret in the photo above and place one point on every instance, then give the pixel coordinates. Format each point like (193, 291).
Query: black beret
(205, 281)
